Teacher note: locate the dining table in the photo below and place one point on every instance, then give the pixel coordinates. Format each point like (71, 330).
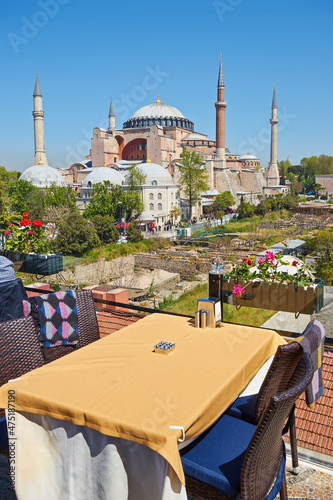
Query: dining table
(107, 420)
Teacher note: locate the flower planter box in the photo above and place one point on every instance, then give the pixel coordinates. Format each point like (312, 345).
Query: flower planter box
(35, 263)
(276, 297)
(42, 264)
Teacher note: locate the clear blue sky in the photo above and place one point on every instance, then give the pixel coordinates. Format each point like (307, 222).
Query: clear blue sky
(87, 51)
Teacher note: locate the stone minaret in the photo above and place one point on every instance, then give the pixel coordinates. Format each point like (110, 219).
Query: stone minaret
(112, 117)
(220, 106)
(273, 177)
(38, 114)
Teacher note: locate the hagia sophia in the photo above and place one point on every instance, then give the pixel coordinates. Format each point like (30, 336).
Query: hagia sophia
(154, 138)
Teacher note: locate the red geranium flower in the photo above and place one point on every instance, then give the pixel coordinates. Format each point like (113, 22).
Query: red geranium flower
(25, 222)
(294, 263)
(25, 215)
(37, 223)
(249, 262)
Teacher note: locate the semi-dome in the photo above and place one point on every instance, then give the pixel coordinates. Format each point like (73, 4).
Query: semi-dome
(43, 176)
(160, 114)
(156, 175)
(195, 137)
(101, 174)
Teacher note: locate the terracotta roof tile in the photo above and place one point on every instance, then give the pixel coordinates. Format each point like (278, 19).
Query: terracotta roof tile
(112, 321)
(314, 427)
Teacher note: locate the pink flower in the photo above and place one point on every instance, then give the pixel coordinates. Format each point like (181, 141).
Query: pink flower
(30, 232)
(261, 261)
(237, 290)
(270, 256)
(7, 232)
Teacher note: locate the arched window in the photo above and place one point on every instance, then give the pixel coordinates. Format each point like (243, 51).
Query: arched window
(159, 206)
(143, 156)
(154, 183)
(89, 184)
(151, 206)
(172, 196)
(126, 157)
(151, 196)
(172, 204)
(159, 196)
(132, 157)
(138, 157)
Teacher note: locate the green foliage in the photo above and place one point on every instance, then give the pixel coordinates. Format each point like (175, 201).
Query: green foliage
(245, 210)
(21, 194)
(193, 177)
(28, 237)
(76, 236)
(105, 228)
(104, 200)
(56, 196)
(8, 176)
(321, 245)
(223, 201)
(133, 234)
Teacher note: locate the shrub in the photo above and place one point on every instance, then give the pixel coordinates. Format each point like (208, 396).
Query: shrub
(76, 236)
(133, 234)
(106, 230)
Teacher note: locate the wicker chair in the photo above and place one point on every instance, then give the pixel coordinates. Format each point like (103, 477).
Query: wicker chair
(87, 324)
(278, 379)
(20, 353)
(234, 457)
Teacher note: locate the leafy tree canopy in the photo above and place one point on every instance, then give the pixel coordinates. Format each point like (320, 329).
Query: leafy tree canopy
(223, 201)
(105, 199)
(75, 236)
(321, 245)
(105, 228)
(245, 210)
(21, 193)
(192, 176)
(132, 233)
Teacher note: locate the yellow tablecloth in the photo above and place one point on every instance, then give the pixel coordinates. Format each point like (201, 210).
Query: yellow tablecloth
(120, 387)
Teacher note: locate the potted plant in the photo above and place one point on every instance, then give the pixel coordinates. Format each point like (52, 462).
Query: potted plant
(27, 246)
(277, 282)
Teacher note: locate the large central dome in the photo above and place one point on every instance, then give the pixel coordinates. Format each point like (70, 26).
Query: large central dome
(158, 110)
(160, 114)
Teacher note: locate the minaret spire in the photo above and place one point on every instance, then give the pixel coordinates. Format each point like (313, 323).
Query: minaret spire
(220, 82)
(112, 117)
(273, 177)
(220, 106)
(38, 114)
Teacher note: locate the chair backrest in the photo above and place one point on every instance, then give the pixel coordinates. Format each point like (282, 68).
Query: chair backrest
(265, 451)
(20, 350)
(87, 325)
(278, 376)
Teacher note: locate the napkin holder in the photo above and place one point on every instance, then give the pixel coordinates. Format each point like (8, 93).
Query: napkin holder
(213, 306)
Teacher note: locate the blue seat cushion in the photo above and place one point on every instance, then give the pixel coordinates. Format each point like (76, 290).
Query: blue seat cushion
(216, 456)
(3, 434)
(243, 407)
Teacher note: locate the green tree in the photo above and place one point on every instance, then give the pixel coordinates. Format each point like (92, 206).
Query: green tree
(283, 170)
(132, 233)
(174, 213)
(8, 176)
(104, 200)
(105, 228)
(245, 210)
(76, 236)
(56, 196)
(192, 176)
(223, 201)
(21, 193)
(132, 202)
(321, 245)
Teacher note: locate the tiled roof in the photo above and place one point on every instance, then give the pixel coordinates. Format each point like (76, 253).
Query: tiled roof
(314, 427)
(112, 321)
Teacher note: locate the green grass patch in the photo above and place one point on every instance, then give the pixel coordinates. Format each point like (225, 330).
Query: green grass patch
(187, 304)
